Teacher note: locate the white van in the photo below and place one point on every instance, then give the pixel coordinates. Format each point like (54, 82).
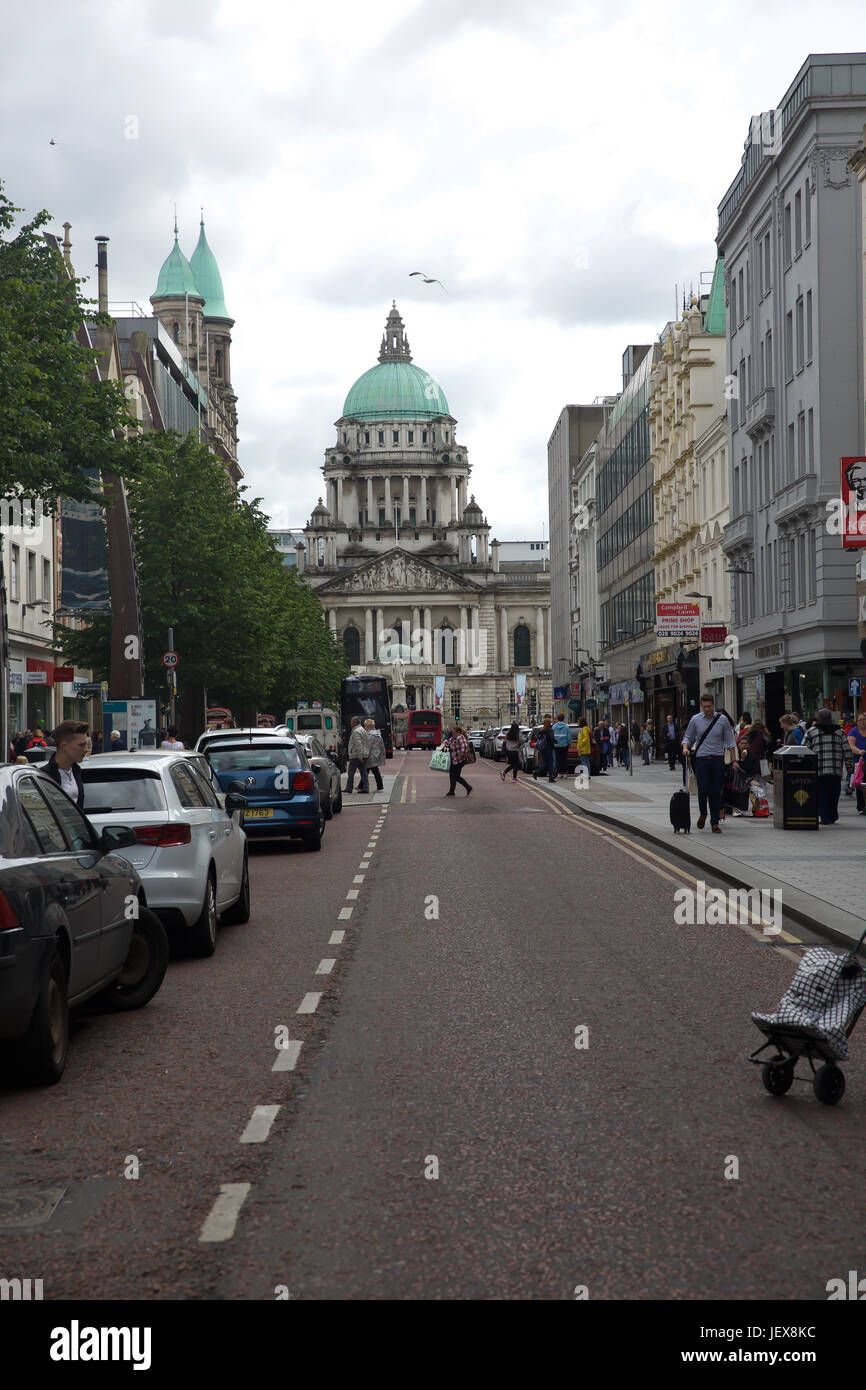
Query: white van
(323, 724)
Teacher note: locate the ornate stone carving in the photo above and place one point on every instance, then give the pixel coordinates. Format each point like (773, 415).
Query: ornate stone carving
(398, 571)
(836, 171)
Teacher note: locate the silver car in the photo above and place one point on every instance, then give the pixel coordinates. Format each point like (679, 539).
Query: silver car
(327, 773)
(191, 854)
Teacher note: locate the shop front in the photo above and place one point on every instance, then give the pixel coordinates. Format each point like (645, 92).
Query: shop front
(670, 677)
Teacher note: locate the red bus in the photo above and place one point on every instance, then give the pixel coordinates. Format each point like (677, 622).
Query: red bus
(417, 728)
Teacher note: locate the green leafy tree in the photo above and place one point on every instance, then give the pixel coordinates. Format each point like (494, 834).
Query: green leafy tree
(58, 422)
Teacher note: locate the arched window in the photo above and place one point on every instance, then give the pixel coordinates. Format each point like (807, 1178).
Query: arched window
(521, 645)
(218, 363)
(352, 645)
(175, 332)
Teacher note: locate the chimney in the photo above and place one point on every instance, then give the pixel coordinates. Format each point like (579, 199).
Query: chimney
(102, 272)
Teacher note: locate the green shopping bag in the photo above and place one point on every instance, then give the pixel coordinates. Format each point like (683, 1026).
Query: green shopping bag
(441, 760)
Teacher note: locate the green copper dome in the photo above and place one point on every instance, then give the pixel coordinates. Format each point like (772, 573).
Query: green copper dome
(207, 277)
(395, 391)
(176, 277)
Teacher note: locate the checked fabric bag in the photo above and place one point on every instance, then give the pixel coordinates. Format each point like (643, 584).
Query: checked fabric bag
(440, 760)
(826, 992)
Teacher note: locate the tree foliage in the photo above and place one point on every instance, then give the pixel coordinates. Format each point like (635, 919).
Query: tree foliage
(245, 627)
(58, 423)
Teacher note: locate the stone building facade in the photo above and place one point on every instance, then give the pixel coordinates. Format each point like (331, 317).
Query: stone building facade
(400, 554)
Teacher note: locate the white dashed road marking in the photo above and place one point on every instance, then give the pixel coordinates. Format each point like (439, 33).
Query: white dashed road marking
(344, 914)
(221, 1222)
(336, 938)
(353, 893)
(309, 1004)
(287, 1057)
(325, 966)
(259, 1124)
(359, 878)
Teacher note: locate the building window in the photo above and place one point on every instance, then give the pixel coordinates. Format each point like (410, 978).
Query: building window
(381, 436)
(798, 222)
(801, 442)
(769, 357)
(810, 434)
(522, 648)
(742, 300)
(807, 204)
(790, 463)
(14, 573)
(733, 303)
(352, 646)
(366, 436)
(395, 436)
(786, 235)
(175, 332)
(789, 345)
(381, 521)
(812, 565)
(808, 325)
(46, 581)
(801, 569)
(423, 436)
(801, 333)
(411, 436)
(218, 363)
(31, 576)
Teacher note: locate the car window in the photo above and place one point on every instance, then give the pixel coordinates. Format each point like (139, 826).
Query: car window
(79, 834)
(255, 759)
(109, 789)
(39, 817)
(317, 749)
(204, 785)
(191, 798)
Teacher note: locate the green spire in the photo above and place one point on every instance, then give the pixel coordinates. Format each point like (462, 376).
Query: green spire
(207, 277)
(176, 277)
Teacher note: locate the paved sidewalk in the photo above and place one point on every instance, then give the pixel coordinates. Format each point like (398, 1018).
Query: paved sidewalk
(821, 873)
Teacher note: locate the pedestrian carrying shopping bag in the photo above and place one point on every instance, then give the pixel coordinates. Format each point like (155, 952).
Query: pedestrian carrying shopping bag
(440, 760)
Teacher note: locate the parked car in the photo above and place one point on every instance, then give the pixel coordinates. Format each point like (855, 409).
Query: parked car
(476, 738)
(499, 740)
(487, 742)
(210, 736)
(327, 770)
(73, 925)
(191, 852)
(279, 784)
(529, 756)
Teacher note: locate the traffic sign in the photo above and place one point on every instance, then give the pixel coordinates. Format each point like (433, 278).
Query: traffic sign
(854, 685)
(169, 660)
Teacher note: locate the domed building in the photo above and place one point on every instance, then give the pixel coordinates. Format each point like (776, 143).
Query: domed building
(398, 551)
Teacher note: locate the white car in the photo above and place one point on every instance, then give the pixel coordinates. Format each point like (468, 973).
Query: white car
(213, 735)
(191, 854)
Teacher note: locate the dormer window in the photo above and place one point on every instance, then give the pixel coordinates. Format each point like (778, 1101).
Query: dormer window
(345, 437)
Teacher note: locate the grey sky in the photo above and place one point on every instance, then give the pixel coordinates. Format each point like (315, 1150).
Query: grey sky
(557, 164)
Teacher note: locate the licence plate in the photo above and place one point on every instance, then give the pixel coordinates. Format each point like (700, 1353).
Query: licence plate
(259, 813)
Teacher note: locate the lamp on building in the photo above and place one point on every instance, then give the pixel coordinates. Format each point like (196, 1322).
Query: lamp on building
(693, 593)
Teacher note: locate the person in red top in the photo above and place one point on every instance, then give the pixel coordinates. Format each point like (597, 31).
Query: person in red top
(459, 748)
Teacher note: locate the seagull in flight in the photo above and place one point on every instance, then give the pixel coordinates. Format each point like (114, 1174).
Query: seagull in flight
(428, 279)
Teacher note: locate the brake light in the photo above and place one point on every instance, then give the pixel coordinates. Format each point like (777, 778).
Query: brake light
(303, 782)
(163, 835)
(8, 919)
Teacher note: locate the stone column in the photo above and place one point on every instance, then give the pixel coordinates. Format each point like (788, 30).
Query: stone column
(338, 481)
(389, 510)
(380, 628)
(504, 663)
(461, 488)
(475, 636)
(423, 505)
(332, 619)
(405, 510)
(369, 652)
(455, 503)
(539, 637)
(371, 510)
(428, 634)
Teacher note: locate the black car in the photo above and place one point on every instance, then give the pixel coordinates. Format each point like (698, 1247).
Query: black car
(72, 924)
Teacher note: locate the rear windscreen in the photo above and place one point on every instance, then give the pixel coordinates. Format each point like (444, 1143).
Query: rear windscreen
(426, 719)
(121, 789)
(254, 759)
(309, 721)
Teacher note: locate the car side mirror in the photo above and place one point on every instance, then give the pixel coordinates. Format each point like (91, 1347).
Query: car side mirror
(235, 802)
(236, 787)
(116, 837)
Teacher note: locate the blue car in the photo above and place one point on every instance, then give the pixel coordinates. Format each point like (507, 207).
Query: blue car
(280, 787)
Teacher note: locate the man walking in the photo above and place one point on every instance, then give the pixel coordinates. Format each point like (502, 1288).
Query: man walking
(359, 751)
(376, 755)
(670, 742)
(709, 734)
(62, 767)
(561, 742)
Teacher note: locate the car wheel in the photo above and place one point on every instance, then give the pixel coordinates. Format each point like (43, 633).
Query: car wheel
(39, 1057)
(144, 968)
(202, 936)
(338, 804)
(314, 841)
(239, 912)
(327, 808)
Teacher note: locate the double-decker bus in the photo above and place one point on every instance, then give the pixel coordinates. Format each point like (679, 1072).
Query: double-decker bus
(367, 697)
(417, 728)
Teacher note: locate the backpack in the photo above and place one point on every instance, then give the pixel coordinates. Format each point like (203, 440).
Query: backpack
(542, 741)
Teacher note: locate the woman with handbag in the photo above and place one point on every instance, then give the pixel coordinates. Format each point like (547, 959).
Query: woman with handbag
(857, 744)
(461, 752)
(511, 748)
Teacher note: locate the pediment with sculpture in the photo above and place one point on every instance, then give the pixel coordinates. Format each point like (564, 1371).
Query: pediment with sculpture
(398, 571)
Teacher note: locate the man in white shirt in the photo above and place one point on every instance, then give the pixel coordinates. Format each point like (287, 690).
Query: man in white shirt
(62, 767)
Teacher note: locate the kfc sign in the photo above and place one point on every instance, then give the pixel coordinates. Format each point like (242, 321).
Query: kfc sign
(853, 518)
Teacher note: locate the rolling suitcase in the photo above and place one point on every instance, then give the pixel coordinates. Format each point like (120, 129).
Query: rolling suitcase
(681, 810)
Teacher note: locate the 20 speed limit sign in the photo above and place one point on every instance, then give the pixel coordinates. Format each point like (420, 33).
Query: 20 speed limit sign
(169, 660)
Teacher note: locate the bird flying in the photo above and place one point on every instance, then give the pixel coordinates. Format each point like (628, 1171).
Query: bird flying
(428, 279)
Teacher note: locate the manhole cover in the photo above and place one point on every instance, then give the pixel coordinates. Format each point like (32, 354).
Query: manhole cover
(22, 1208)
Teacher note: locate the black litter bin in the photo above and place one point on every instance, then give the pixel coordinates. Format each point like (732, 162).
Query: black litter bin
(795, 788)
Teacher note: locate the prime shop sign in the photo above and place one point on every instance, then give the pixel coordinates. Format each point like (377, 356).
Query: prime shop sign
(678, 620)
